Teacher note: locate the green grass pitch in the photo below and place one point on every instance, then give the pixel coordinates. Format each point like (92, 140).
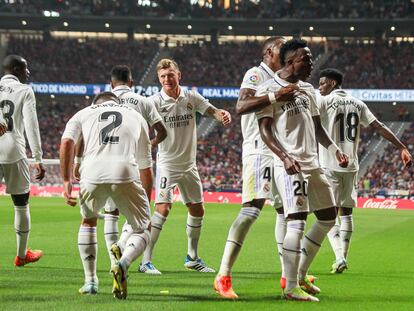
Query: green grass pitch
(380, 275)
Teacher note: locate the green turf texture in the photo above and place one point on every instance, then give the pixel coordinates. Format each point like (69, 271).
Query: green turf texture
(380, 275)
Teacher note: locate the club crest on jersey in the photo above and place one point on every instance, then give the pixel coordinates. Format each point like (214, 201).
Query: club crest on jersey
(266, 187)
(254, 78)
(189, 106)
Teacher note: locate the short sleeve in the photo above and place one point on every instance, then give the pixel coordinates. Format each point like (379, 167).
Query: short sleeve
(73, 128)
(367, 117)
(251, 79)
(143, 155)
(321, 104)
(151, 112)
(265, 112)
(312, 102)
(201, 103)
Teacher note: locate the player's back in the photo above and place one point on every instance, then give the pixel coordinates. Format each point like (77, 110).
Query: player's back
(138, 103)
(114, 136)
(16, 101)
(342, 116)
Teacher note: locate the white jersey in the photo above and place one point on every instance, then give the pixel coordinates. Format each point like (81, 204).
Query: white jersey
(293, 123)
(18, 106)
(342, 116)
(139, 103)
(114, 137)
(252, 142)
(178, 151)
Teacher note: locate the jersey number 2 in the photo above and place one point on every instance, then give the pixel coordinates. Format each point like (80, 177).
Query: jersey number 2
(8, 116)
(117, 121)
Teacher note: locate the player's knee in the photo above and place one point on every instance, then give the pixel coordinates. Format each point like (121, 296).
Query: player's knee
(298, 216)
(345, 211)
(255, 203)
(20, 199)
(280, 211)
(163, 209)
(196, 209)
(327, 214)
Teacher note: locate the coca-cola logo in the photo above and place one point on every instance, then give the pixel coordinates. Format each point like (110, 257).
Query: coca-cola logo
(386, 204)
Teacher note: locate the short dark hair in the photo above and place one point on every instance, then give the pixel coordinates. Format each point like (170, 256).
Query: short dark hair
(269, 42)
(105, 96)
(290, 46)
(333, 74)
(121, 73)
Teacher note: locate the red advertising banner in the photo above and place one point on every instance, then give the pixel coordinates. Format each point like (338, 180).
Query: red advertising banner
(232, 197)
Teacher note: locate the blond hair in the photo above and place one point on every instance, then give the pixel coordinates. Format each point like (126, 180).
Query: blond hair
(166, 63)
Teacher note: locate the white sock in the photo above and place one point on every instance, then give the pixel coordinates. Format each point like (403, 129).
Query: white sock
(193, 230)
(291, 251)
(88, 250)
(125, 234)
(157, 221)
(347, 227)
(335, 240)
(311, 244)
(280, 232)
(111, 233)
(22, 228)
(236, 236)
(135, 246)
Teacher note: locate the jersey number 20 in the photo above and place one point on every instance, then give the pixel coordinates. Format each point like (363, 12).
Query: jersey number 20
(104, 136)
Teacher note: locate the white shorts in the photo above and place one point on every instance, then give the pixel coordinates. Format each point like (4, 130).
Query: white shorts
(344, 187)
(130, 198)
(16, 176)
(258, 181)
(188, 182)
(307, 191)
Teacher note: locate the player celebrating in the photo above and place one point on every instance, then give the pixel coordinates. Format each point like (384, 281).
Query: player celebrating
(342, 115)
(18, 106)
(257, 163)
(291, 130)
(176, 161)
(114, 137)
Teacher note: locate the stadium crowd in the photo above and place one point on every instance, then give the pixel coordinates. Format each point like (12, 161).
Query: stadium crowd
(205, 9)
(385, 177)
(81, 61)
(209, 65)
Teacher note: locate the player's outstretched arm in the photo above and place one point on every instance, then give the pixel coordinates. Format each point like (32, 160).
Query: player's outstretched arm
(324, 139)
(248, 102)
(159, 127)
(385, 132)
(66, 152)
(265, 127)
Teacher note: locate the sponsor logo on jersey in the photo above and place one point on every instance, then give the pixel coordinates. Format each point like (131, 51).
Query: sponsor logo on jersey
(254, 78)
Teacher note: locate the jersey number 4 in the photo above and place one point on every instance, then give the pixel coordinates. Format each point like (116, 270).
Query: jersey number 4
(352, 122)
(104, 136)
(8, 109)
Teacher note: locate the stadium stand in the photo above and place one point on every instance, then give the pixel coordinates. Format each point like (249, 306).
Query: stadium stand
(205, 9)
(81, 60)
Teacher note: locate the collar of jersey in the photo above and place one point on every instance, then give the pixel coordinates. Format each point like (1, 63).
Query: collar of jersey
(121, 88)
(282, 82)
(267, 68)
(339, 92)
(9, 76)
(168, 98)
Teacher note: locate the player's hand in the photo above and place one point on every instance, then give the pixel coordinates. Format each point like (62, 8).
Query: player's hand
(224, 117)
(76, 172)
(287, 93)
(406, 157)
(67, 193)
(3, 129)
(342, 158)
(40, 171)
(292, 167)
